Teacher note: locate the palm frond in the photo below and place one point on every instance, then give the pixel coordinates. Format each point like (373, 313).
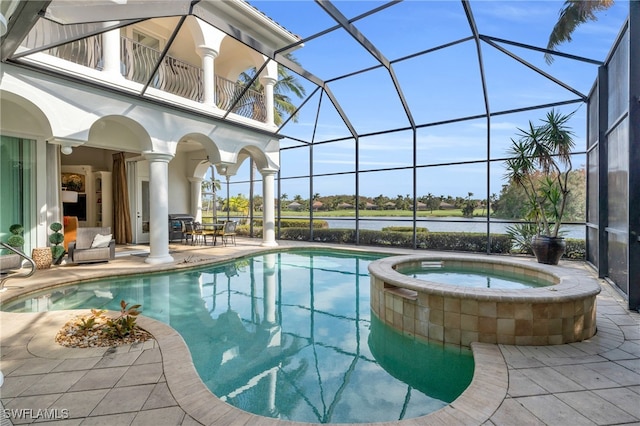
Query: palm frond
(572, 14)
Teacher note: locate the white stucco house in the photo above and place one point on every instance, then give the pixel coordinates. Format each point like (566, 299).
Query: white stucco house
(138, 106)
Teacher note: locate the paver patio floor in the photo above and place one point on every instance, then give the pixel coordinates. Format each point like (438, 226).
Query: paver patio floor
(154, 383)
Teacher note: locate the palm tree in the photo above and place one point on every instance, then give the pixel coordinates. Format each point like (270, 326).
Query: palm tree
(572, 14)
(211, 187)
(282, 106)
(286, 83)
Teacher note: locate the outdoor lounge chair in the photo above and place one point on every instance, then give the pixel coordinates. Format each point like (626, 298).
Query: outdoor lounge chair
(92, 245)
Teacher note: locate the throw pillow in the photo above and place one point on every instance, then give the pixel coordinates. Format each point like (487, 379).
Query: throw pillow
(101, 241)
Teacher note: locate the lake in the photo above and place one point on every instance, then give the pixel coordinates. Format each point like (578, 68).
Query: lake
(448, 224)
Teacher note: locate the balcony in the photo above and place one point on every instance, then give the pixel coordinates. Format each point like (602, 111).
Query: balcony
(174, 76)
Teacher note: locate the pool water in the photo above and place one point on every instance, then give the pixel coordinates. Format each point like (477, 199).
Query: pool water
(288, 335)
(476, 277)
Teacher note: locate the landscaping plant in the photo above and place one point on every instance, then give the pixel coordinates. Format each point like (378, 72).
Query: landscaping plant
(16, 239)
(57, 238)
(540, 163)
(125, 323)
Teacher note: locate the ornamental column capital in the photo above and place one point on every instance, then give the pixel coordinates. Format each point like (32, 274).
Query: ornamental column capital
(162, 157)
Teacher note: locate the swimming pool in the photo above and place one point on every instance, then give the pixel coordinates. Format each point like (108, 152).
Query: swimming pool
(287, 335)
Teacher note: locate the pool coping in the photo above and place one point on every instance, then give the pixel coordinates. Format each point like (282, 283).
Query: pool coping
(483, 396)
(475, 405)
(572, 283)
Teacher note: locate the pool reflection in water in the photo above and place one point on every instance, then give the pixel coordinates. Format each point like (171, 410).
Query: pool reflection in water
(288, 335)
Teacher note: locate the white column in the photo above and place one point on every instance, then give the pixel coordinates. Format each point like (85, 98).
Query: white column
(159, 207)
(196, 198)
(269, 276)
(111, 52)
(268, 83)
(268, 209)
(208, 56)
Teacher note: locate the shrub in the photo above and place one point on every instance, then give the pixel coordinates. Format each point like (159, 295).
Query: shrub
(88, 323)
(299, 223)
(125, 323)
(576, 249)
(449, 241)
(57, 238)
(465, 241)
(16, 239)
(445, 241)
(16, 229)
(404, 229)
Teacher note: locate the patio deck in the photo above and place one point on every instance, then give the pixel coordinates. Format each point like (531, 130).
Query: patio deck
(592, 382)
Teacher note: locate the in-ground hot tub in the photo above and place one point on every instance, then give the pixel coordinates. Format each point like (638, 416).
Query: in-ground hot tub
(562, 309)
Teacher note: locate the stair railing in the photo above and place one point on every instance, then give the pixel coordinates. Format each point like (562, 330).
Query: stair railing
(20, 275)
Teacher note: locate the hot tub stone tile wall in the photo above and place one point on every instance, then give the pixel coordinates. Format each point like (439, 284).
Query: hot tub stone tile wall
(562, 313)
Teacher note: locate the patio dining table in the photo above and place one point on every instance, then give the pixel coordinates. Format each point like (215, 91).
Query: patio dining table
(212, 229)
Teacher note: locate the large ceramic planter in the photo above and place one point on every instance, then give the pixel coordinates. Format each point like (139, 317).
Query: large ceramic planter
(548, 250)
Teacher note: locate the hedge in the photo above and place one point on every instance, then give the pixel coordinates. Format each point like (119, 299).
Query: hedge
(404, 229)
(296, 223)
(446, 241)
(576, 249)
(454, 241)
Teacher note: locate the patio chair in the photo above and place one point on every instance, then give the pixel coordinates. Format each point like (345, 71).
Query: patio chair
(92, 245)
(188, 232)
(194, 232)
(229, 232)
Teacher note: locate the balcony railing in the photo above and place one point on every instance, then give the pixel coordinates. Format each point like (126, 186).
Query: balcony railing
(173, 76)
(252, 104)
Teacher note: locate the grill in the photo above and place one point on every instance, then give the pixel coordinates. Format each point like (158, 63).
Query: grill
(175, 225)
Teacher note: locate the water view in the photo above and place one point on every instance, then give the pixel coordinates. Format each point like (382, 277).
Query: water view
(449, 224)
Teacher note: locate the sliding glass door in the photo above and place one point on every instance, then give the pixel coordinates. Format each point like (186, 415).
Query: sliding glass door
(17, 187)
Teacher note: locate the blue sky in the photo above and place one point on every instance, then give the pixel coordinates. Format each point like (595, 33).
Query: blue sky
(442, 85)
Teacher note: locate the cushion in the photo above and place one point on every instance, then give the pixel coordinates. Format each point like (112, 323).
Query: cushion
(101, 241)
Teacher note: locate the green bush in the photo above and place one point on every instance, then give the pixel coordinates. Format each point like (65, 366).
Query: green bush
(446, 241)
(298, 223)
(16, 229)
(16, 239)
(57, 238)
(319, 235)
(404, 229)
(576, 249)
(449, 241)
(465, 242)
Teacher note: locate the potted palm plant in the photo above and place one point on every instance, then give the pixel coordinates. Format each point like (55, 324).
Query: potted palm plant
(540, 162)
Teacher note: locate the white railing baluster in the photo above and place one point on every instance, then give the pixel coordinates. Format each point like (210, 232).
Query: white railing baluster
(138, 61)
